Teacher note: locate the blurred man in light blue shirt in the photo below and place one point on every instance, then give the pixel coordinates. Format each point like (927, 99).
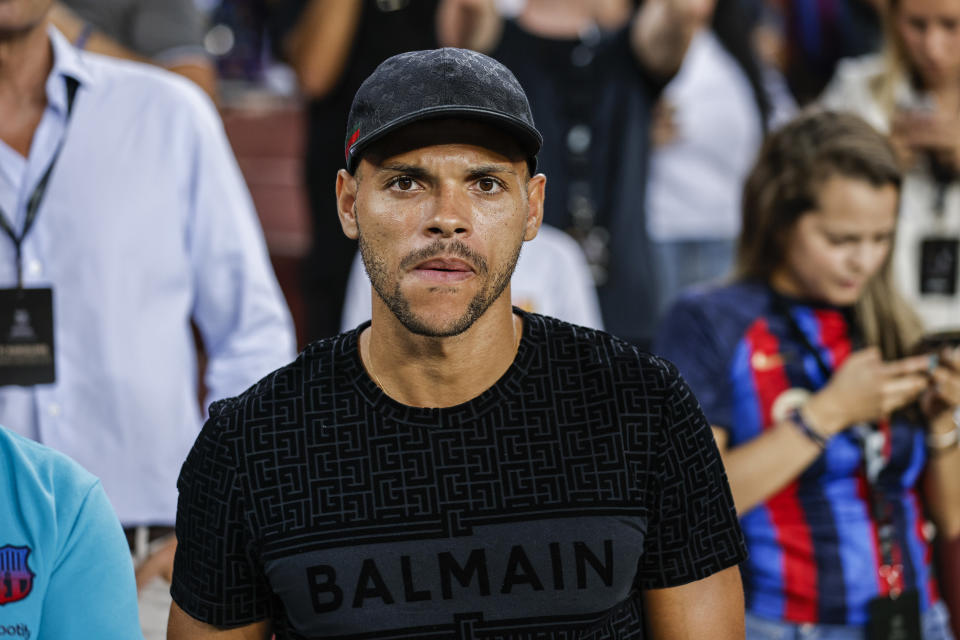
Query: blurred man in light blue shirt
(143, 226)
(64, 567)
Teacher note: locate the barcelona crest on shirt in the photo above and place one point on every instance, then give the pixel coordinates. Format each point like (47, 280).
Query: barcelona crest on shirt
(16, 578)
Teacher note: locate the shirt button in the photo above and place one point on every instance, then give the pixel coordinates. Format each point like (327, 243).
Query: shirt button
(34, 267)
(54, 409)
(578, 138)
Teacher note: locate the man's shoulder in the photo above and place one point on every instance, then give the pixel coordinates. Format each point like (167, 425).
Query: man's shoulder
(862, 68)
(150, 86)
(710, 319)
(730, 300)
(284, 388)
(43, 472)
(592, 348)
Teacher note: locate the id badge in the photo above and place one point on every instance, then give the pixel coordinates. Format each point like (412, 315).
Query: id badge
(895, 619)
(939, 264)
(26, 337)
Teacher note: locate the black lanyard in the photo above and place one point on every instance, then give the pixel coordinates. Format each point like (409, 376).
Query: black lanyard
(36, 198)
(782, 308)
(881, 510)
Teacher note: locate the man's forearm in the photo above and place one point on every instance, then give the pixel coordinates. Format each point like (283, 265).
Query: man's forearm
(662, 31)
(319, 45)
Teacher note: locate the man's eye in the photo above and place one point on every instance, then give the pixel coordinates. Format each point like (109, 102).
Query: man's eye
(404, 183)
(487, 184)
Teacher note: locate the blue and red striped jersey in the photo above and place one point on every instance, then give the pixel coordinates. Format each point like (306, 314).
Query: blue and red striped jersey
(813, 546)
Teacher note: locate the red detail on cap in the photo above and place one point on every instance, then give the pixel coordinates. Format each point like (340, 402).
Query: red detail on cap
(353, 138)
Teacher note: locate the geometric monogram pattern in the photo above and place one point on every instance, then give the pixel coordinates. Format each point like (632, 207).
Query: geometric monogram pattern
(315, 461)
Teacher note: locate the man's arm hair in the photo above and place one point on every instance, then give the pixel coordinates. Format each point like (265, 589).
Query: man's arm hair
(709, 608)
(182, 626)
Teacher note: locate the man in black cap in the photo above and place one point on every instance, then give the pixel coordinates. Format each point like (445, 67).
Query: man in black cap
(456, 468)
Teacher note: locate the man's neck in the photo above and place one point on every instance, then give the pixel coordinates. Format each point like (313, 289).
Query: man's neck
(25, 62)
(440, 372)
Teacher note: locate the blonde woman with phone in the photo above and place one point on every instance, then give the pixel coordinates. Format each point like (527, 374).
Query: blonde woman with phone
(911, 90)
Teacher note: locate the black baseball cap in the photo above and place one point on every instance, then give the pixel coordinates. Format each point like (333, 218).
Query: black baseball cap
(439, 83)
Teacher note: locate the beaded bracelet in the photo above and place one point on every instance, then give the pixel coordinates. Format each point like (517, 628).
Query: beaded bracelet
(797, 419)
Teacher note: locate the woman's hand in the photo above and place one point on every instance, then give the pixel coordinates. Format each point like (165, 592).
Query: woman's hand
(865, 389)
(914, 132)
(943, 396)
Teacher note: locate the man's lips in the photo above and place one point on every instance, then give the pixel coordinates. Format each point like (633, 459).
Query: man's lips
(444, 270)
(445, 264)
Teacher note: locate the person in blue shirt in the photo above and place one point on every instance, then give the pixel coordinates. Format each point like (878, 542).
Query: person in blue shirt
(837, 441)
(126, 222)
(65, 570)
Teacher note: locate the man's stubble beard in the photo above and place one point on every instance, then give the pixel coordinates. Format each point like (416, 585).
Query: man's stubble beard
(398, 304)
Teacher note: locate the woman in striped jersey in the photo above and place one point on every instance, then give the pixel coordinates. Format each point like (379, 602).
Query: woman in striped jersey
(838, 442)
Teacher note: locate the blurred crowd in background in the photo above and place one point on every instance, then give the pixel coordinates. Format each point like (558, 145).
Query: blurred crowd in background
(649, 219)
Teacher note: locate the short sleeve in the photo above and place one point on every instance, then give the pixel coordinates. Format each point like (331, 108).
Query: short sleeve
(688, 339)
(216, 578)
(92, 584)
(692, 528)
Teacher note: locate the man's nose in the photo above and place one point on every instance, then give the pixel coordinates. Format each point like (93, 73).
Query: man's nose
(451, 213)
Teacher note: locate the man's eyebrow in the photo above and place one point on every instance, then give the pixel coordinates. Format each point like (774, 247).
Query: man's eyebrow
(399, 167)
(487, 169)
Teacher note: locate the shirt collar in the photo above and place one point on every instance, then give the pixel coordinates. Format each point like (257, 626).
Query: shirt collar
(67, 62)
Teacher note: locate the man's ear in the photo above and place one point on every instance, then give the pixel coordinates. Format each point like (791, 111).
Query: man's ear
(536, 192)
(346, 200)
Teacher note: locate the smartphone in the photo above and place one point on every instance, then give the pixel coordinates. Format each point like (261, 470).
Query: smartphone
(934, 342)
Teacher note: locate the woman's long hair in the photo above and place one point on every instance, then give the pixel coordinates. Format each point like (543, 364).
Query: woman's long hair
(897, 68)
(792, 166)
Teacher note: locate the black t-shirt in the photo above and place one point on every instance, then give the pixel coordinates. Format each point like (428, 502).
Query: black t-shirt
(539, 509)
